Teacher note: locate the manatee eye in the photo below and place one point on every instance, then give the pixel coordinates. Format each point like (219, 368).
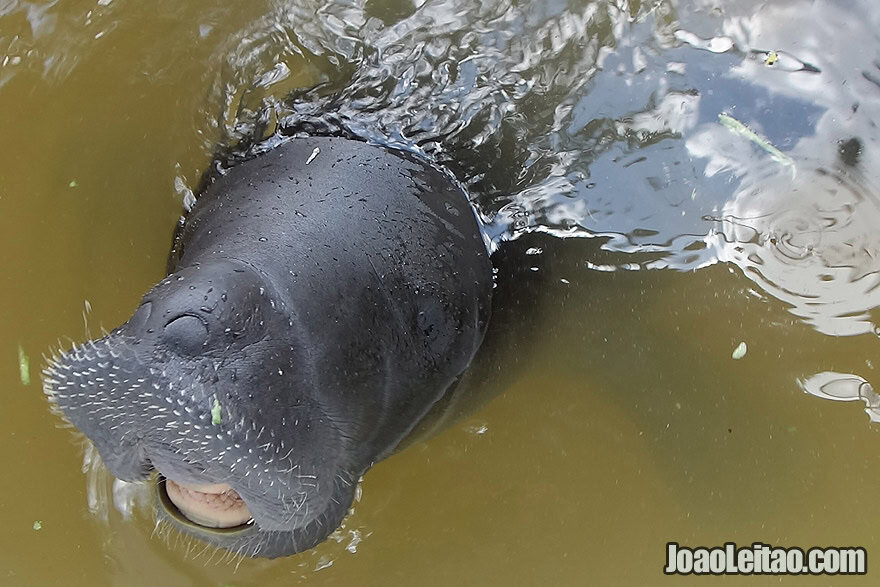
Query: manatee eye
(186, 333)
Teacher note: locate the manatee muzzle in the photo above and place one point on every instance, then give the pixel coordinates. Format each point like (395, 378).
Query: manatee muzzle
(100, 387)
(123, 407)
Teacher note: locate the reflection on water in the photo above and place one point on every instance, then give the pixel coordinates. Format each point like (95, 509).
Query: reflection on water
(618, 135)
(682, 175)
(843, 387)
(102, 489)
(811, 241)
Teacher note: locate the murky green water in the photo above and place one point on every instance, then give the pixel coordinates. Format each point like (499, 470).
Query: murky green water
(710, 195)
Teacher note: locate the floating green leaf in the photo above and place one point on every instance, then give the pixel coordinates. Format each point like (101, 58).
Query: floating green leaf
(38, 525)
(740, 351)
(73, 184)
(738, 128)
(215, 412)
(24, 367)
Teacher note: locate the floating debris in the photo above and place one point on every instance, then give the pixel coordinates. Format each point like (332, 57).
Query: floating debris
(314, 154)
(24, 367)
(215, 412)
(738, 128)
(38, 525)
(73, 184)
(740, 351)
(782, 61)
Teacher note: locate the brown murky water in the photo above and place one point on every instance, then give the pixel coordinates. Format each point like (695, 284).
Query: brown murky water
(619, 420)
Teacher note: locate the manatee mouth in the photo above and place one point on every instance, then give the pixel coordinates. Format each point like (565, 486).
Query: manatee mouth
(211, 506)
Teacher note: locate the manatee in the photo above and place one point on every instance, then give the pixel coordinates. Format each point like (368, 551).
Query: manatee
(321, 298)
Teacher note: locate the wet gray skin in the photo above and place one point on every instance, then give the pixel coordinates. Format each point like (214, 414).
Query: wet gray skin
(323, 297)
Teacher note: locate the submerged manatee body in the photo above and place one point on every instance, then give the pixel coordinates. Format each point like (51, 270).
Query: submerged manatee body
(323, 296)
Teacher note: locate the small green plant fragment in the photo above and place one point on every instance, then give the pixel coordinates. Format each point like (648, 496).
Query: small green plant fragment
(73, 184)
(215, 412)
(738, 128)
(740, 351)
(24, 367)
(38, 525)
(772, 57)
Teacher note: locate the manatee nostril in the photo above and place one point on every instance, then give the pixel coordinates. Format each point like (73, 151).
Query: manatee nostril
(141, 315)
(187, 333)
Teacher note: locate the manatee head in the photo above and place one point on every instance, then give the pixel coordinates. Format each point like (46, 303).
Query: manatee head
(208, 384)
(324, 296)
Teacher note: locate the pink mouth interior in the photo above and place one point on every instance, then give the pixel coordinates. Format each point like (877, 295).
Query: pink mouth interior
(213, 506)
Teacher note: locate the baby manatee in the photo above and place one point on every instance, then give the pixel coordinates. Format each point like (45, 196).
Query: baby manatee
(322, 297)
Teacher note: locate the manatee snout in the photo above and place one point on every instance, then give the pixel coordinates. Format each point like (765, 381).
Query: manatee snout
(323, 297)
(187, 387)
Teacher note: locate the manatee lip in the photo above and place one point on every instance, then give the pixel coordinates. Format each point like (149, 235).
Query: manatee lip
(215, 506)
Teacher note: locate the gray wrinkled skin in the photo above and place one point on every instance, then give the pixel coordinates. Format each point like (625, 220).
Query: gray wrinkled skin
(316, 311)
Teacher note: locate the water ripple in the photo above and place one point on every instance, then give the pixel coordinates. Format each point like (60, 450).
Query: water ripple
(593, 119)
(810, 241)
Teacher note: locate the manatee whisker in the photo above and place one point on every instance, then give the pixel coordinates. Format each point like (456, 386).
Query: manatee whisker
(293, 468)
(238, 557)
(213, 554)
(205, 547)
(156, 528)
